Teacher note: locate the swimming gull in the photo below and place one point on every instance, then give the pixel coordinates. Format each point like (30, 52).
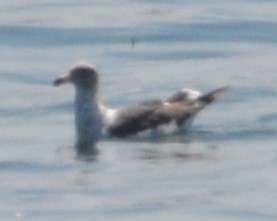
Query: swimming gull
(93, 118)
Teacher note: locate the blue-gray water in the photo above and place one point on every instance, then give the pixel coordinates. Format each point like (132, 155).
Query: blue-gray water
(224, 169)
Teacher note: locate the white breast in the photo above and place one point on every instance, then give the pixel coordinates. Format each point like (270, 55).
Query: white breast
(108, 116)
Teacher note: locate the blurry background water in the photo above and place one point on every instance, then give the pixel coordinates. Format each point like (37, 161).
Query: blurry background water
(224, 169)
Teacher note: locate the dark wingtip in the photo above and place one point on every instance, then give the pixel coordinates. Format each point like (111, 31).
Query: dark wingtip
(221, 92)
(215, 95)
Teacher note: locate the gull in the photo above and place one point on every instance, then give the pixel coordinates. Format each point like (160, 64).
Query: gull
(93, 118)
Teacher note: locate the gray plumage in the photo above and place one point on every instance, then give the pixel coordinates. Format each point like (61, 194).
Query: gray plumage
(178, 108)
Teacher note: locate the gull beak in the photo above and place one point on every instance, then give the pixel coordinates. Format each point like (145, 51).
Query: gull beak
(61, 80)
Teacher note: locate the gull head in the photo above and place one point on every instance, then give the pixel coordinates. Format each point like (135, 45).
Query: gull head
(81, 75)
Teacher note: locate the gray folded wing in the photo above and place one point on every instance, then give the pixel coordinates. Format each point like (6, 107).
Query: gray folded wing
(144, 116)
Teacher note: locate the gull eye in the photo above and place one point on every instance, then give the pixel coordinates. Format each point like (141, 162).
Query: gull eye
(83, 75)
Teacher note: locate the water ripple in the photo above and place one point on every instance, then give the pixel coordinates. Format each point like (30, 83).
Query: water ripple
(173, 55)
(268, 118)
(35, 111)
(246, 214)
(228, 31)
(20, 166)
(26, 78)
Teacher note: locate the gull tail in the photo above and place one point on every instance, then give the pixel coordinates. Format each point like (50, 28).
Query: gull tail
(213, 96)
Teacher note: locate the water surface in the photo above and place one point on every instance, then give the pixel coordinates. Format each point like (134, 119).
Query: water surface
(223, 169)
